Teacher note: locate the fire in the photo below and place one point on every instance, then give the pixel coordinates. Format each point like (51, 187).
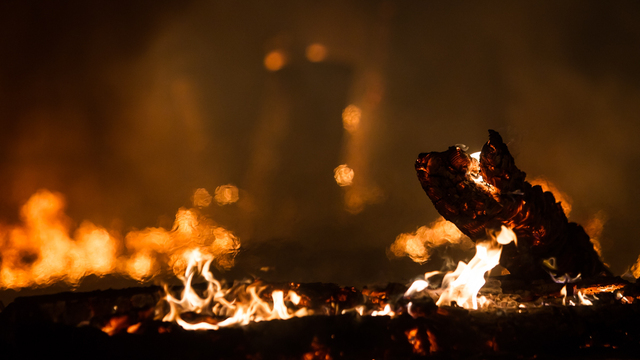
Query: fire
(462, 285)
(418, 245)
(343, 175)
(248, 304)
(44, 250)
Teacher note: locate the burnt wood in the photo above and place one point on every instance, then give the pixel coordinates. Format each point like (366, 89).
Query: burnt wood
(547, 242)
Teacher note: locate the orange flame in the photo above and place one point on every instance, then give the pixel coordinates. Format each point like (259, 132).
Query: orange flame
(462, 285)
(42, 251)
(214, 303)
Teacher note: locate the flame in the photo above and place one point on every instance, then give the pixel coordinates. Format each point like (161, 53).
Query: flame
(635, 269)
(247, 306)
(462, 285)
(42, 250)
(418, 245)
(594, 228)
(343, 175)
(226, 194)
(384, 312)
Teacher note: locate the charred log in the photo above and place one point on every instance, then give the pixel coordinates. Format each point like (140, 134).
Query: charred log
(547, 241)
(39, 327)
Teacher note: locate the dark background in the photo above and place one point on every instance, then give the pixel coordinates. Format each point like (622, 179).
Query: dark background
(126, 107)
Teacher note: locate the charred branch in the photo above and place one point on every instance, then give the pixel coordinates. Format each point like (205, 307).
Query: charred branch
(480, 196)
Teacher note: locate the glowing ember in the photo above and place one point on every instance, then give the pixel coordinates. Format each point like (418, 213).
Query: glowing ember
(343, 175)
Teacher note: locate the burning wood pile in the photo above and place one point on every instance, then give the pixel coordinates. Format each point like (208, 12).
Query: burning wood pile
(558, 299)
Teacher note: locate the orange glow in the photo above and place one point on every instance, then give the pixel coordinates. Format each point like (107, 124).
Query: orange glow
(141, 266)
(351, 118)
(41, 251)
(414, 340)
(316, 52)
(635, 269)
(462, 285)
(226, 194)
(343, 175)
(355, 198)
(274, 60)
(201, 198)
(560, 196)
(594, 228)
(418, 245)
(248, 306)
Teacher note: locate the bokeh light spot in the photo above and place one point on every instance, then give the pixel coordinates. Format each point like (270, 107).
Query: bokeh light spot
(316, 52)
(274, 60)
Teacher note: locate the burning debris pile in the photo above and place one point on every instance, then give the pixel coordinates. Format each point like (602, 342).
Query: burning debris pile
(542, 308)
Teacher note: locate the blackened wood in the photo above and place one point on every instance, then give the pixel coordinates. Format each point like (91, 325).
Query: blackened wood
(547, 241)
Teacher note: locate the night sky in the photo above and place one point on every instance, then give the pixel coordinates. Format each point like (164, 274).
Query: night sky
(127, 107)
